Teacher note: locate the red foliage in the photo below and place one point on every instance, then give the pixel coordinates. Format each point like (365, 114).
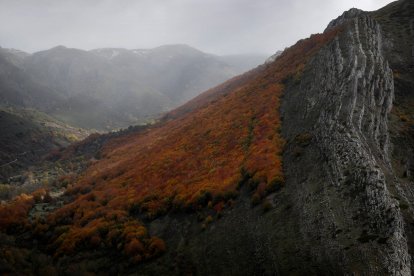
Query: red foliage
(134, 247)
(195, 155)
(14, 215)
(157, 246)
(219, 207)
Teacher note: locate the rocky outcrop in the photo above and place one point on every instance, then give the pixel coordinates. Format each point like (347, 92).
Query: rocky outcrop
(338, 157)
(396, 21)
(347, 15)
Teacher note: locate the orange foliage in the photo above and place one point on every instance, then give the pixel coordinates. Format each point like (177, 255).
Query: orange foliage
(14, 215)
(193, 157)
(91, 226)
(134, 247)
(157, 246)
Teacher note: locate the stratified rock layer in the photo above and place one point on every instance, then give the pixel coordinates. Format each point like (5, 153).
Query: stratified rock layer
(342, 176)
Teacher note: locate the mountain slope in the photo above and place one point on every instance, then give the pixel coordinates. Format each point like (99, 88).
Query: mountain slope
(301, 166)
(27, 136)
(179, 165)
(109, 88)
(96, 93)
(18, 88)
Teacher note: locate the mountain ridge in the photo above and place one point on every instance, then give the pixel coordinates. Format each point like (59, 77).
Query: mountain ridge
(123, 87)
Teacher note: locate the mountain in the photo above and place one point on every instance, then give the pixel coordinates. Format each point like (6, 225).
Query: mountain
(185, 71)
(28, 136)
(109, 88)
(95, 94)
(18, 88)
(301, 166)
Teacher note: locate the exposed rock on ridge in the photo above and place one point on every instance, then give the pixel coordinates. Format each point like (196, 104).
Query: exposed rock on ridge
(347, 215)
(347, 15)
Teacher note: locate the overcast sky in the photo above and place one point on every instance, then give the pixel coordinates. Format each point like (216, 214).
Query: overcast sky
(215, 26)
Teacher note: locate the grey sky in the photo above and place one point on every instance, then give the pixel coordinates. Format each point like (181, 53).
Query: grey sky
(216, 26)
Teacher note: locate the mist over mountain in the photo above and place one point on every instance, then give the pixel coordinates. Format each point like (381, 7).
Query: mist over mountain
(108, 89)
(18, 87)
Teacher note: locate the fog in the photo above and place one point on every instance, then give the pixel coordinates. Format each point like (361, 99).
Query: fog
(215, 26)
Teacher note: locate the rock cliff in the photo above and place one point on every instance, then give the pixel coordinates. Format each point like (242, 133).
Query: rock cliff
(348, 216)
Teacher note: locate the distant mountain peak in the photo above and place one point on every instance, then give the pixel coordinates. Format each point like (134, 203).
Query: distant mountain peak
(59, 47)
(15, 51)
(178, 46)
(178, 49)
(108, 53)
(14, 56)
(140, 52)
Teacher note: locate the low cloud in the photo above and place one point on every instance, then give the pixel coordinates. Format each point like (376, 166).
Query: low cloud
(216, 26)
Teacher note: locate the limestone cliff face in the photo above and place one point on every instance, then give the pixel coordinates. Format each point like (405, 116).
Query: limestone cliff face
(342, 174)
(347, 15)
